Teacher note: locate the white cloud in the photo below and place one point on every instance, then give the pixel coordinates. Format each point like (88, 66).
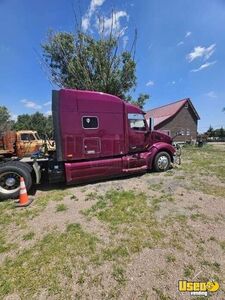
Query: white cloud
(48, 103)
(150, 83)
(48, 113)
(203, 52)
(13, 116)
(170, 83)
(188, 33)
(204, 66)
(112, 23)
(211, 94)
(31, 104)
(94, 4)
(85, 22)
(104, 24)
(180, 43)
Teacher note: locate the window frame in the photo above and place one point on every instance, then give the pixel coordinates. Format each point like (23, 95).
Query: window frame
(93, 128)
(182, 131)
(29, 139)
(137, 117)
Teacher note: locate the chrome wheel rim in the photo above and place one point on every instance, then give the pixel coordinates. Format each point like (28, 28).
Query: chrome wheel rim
(9, 182)
(163, 162)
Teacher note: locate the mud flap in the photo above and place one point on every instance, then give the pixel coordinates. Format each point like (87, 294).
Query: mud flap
(37, 170)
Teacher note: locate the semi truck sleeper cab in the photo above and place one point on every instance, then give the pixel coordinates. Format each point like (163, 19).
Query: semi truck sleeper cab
(97, 136)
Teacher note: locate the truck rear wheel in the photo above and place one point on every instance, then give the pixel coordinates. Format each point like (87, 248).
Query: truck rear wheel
(10, 174)
(162, 161)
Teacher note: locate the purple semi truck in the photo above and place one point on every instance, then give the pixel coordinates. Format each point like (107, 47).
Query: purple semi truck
(97, 136)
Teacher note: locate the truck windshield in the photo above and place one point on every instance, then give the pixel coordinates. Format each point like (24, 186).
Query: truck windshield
(137, 122)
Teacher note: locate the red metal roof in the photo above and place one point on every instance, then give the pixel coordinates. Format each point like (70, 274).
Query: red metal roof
(165, 112)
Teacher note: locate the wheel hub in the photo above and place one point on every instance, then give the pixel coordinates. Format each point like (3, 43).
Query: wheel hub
(163, 162)
(10, 181)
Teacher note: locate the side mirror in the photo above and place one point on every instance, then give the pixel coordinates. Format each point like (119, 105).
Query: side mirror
(151, 124)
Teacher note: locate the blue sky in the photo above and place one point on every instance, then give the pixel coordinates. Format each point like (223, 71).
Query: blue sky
(180, 50)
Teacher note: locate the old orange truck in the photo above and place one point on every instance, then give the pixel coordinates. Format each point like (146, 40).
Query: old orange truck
(21, 143)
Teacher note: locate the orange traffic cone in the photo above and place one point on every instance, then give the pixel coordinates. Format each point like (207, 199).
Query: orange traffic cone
(23, 198)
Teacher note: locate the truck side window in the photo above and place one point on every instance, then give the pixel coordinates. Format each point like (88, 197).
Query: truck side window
(90, 122)
(137, 122)
(27, 137)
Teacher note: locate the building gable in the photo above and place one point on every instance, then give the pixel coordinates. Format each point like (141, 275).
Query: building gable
(166, 112)
(179, 116)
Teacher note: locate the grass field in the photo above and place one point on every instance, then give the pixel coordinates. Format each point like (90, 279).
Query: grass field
(131, 238)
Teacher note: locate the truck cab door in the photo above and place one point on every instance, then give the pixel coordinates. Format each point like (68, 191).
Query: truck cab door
(137, 128)
(26, 144)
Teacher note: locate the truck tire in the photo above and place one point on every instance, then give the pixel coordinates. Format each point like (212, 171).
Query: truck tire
(10, 174)
(162, 161)
(21, 164)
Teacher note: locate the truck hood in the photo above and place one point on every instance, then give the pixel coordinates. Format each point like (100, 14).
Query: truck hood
(158, 136)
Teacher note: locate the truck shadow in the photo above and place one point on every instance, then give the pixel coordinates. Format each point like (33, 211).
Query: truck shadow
(45, 186)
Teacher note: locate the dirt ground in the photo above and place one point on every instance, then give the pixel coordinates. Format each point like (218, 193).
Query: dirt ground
(130, 238)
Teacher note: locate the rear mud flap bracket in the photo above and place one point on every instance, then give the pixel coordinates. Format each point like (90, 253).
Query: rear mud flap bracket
(37, 170)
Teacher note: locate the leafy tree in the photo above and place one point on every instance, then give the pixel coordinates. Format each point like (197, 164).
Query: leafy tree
(49, 126)
(36, 121)
(84, 62)
(221, 132)
(140, 100)
(23, 122)
(5, 121)
(39, 122)
(210, 131)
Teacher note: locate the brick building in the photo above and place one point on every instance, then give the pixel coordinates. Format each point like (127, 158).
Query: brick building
(177, 116)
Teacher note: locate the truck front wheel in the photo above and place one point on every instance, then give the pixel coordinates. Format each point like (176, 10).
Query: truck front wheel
(10, 174)
(162, 161)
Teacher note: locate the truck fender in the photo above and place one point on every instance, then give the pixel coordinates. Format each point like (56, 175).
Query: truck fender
(158, 147)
